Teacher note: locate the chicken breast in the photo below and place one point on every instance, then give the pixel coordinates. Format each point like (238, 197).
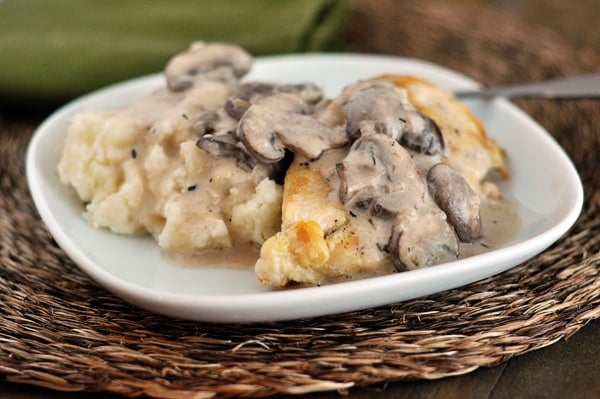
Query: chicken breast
(379, 204)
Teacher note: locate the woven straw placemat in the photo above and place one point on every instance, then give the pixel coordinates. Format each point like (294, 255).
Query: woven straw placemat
(60, 330)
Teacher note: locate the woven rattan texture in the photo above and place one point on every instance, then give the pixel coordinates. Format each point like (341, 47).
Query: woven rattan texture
(58, 329)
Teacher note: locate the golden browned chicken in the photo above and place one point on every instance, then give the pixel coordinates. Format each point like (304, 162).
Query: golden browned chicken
(404, 192)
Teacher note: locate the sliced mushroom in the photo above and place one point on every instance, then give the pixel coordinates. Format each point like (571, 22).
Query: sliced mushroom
(422, 242)
(202, 58)
(363, 170)
(236, 107)
(379, 175)
(330, 113)
(280, 121)
(248, 93)
(388, 206)
(375, 109)
(452, 193)
(225, 145)
(206, 122)
(308, 92)
(377, 167)
(214, 122)
(250, 90)
(422, 134)
(277, 170)
(284, 102)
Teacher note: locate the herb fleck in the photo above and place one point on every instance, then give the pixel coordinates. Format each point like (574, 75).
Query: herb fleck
(382, 247)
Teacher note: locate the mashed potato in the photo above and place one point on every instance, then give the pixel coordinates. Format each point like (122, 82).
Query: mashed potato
(138, 170)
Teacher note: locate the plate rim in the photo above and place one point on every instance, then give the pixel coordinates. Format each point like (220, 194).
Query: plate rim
(193, 306)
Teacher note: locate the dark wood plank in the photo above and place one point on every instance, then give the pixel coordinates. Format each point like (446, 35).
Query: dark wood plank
(567, 369)
(475, 385)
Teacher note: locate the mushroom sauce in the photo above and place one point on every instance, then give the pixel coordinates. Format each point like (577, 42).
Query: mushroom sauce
(203, 167)
(499, 220)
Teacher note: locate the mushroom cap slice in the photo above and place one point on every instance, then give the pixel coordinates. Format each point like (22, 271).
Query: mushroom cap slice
(376, 167)
(379, 174)
(224, 145)
(308, 92)
(375, 109)
(250, 92)
(361, 172)
(202, 58)
(206, 122)
(422, 134)
(454, 196)
(422, 242)
(236, 107)
(282, 121)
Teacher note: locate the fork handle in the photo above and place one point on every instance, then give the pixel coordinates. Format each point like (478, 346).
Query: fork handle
(578, 86)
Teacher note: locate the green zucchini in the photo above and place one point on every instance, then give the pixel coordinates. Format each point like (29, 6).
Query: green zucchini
(54, 50)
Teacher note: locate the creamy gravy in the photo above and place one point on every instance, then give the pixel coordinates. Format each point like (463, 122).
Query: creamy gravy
(242, 257)
(500, 223)
(499, 216)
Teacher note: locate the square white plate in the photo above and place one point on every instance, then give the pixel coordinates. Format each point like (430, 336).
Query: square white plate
(543, 181)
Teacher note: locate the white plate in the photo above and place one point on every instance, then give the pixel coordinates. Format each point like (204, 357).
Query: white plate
(544, 182)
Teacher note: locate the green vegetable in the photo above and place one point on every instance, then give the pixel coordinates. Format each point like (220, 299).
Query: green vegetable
(54, 50)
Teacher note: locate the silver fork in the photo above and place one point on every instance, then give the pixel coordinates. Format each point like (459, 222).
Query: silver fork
(578, 86)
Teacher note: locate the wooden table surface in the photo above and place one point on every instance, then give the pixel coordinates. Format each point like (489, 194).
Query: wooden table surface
(567, 369)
